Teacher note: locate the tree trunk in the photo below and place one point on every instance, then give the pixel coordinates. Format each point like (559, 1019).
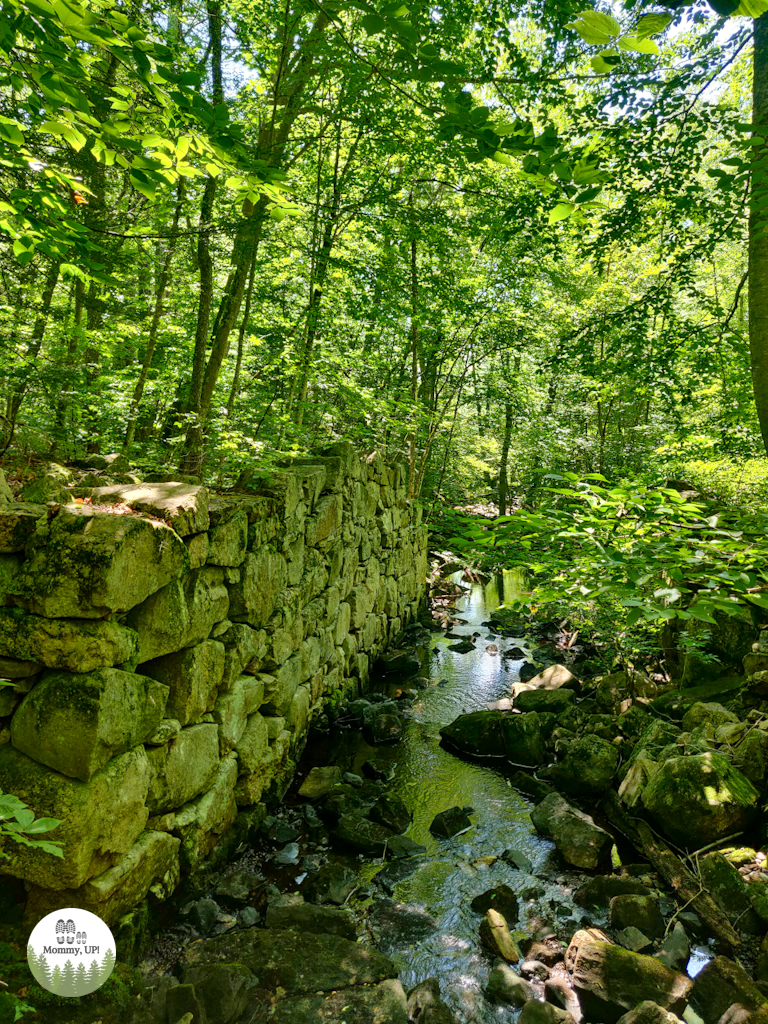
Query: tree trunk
(241, 343)
(503, 482)
(758, 233)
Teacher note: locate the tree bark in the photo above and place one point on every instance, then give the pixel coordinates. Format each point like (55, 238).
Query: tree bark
(505, 445)
(758, 233)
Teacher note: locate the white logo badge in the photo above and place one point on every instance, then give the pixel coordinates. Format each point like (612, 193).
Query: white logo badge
(71, 952)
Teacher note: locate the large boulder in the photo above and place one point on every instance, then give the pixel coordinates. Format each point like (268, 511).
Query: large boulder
(719, 985)
(182, 505)
(699, 799)
(76, 723)
(77, 645)
(100, 819)
(611, 980)
(588, 767)
(523, 739)
(495, 734)
(6, 494)
(183, 768)
(87, 565)
(641, 912)
(507, 987)
(383, 1004)
(263, 576)
(649, 1012)
(578, 839)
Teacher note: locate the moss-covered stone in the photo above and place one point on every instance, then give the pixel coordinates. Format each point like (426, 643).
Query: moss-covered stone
(228, 541)
(254, 598)
(77, 645)
(193, 677)
(50, 485)
(698, 799)
(6, 494)
(184, 506)
(100, 819)
(477, 734)
(253, 746)
(87, 565)
(201, 823)
(17, 524)
(578, 839)
(587, 768)
(709, 713)
(75, 723)
(151, 864)
(184, 768)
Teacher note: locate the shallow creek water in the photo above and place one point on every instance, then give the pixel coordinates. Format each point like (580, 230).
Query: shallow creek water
(429, 779)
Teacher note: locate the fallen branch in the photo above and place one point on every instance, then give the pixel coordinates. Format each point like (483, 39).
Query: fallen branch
(672, 869)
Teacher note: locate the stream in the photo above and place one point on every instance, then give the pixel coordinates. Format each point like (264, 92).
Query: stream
(437, 935)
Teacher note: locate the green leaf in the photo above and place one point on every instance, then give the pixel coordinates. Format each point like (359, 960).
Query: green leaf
(501, 158)
(637, 45)
(601, 66)
(595, 28)
(751, 8)
(277, 213)
(42, 825)
(374, 24)
(653, 24)
(560, 212)
(10, 132)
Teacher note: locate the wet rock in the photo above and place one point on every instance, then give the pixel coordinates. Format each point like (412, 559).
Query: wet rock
(384, 728)
(699, 799)
(534, 969)
(517, 860)
(477, 734)
(399, 663)
(632, 938)
(282, 832)
(559, 991)
(297, 963)
(522, 739)
(675, 950)
(223, 991)
(721, 984)
(537, 789)
(398, 924)
(425, 1005)
(649, 1012)
(320, 782)
(238, 885)
(553, 678)
(450, 823)
(390, 811)
(578, 839)
(507, 987)
(639, 912)
(202, 915)
(385, 1003)
(293, 912)
(395, 871)
(404, 846)
(500, 898)
(376, 772)
(333, 883)
(545, 700)
(462, 647)
(532, 890)
(611, 980)
(288, 855)
(548, 951)
(496, 936)
(588, 767)
(527, 671)
(535, 1012)
(601, 889)
(360, 835)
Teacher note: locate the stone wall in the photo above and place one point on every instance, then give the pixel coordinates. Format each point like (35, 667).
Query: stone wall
(164, 650)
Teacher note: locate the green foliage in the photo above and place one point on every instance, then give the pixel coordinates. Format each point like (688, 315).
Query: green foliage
(18, 822)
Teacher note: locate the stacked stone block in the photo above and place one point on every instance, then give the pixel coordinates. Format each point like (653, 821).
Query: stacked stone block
(165, 649)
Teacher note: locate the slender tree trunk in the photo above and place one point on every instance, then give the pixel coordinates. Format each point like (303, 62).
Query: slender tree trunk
(414, 368)
(154, 327)
(505, 445)
(758, 233)
(241, 343)
(74, 343)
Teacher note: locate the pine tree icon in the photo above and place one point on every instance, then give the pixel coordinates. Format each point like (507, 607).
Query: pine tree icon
(56, 980)
(81, 980)
(68, 979)
(107, 965)
(94, 975)
(43, 973)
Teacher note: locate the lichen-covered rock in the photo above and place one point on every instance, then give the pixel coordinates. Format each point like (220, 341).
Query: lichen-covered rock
(183, 506)
(253, 746)
(77, 645)
(9, 570)
(587, 768)
(578, 839)
(708, 713)
(232, 709)
(263, 577)
(698, 799)
(640, 912)
(181, 614)
(18, 521)
(611, 980)
(184, 768)
(100, 819)
(496, 936)
(228, 541)
(192, 676)
(75, 723)
(50, 485)
(751, 756)
(151, 864)
(720, 984)
(86, 565)
(201, 823)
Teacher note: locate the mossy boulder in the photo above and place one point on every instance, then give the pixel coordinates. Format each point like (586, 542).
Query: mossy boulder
(17, 524)
(86, 565)
(192, 676)
(75, 723)
(587, 768)
(228, 541)
(9, 570)
(78, 645)
(708, 713)
(653, 740)
(698, 799)
(264, 574)
(6, 494)
(182, 505)
(751, 756)
(522, 739)
(477, 734)
(555, 701)
(100, 819)
(50, 485)
(183, 768)
(578, 839)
